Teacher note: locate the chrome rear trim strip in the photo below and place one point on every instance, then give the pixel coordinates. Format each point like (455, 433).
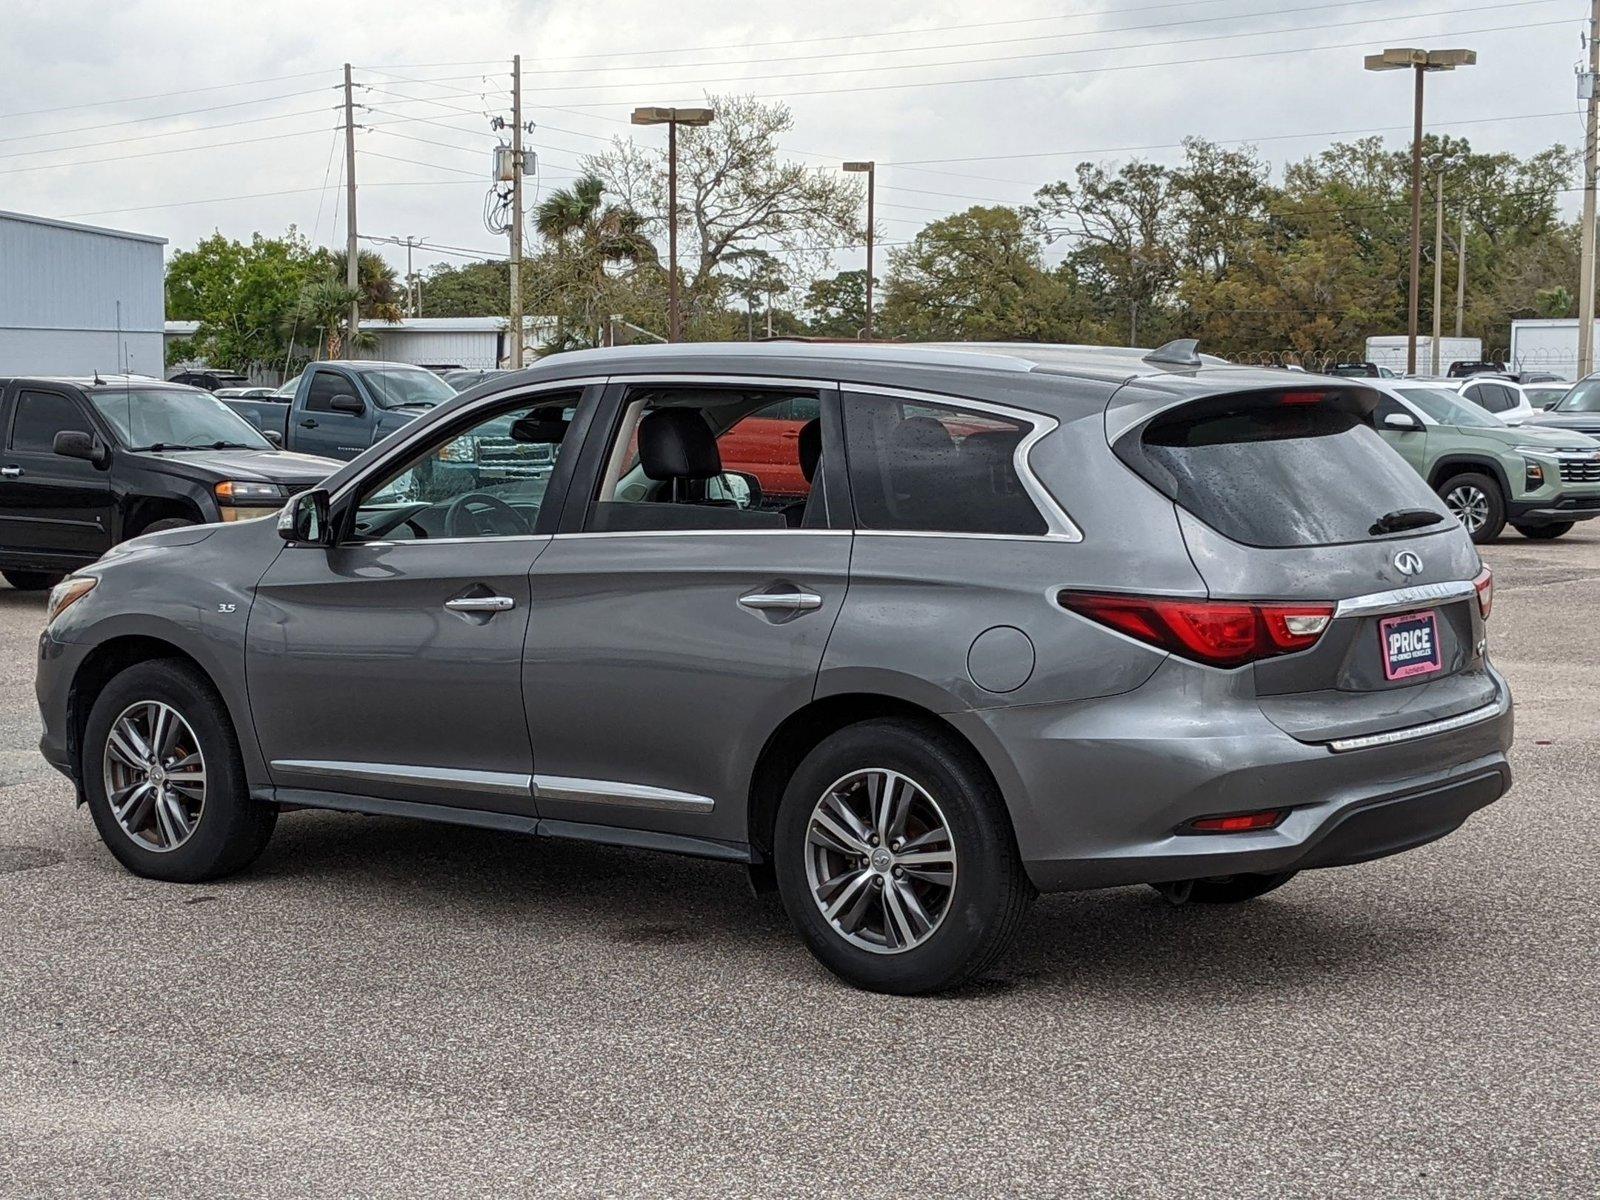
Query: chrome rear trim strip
(1403, 598)
(609, 791)
(1412, 733)
(500, 783)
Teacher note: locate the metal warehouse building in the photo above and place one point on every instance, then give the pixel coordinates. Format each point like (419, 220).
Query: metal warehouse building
(76, 299)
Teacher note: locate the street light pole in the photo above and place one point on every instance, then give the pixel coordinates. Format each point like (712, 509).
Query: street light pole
(672, 118)
(1438, 266)
(871, 170)
(1421, 62)
(1587, 90)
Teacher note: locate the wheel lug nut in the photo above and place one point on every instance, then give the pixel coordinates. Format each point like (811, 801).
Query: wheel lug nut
(877, 881)
(899, 872)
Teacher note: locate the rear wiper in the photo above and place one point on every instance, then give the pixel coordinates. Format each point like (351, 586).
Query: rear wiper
(1404, 518)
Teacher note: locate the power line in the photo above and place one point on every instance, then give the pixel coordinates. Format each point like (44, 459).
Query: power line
(23, 137)
(100, 212)
(122, 141)
(31, 112)
(98, 160)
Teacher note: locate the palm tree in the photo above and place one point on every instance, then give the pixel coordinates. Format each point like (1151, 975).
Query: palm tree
(587, 241)
(379, 284)
(322, 308)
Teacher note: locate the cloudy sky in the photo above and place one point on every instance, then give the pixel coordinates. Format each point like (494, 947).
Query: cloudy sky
(178, 119)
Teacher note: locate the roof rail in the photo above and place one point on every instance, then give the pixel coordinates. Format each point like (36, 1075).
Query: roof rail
(1181, 352)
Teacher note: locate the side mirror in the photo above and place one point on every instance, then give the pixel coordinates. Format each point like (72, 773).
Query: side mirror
(346, 403)
(743, 488)
(273, 436)
(75, 443)
(1403, 421)
(305, 519)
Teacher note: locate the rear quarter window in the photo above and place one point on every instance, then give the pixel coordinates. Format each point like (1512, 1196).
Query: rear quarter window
(1277, 475)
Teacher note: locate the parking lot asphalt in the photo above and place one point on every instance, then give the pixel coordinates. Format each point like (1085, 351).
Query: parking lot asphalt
(389, 1008)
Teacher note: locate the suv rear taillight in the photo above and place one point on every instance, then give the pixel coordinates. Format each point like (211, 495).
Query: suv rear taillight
(1217, 633)
(1484, 584)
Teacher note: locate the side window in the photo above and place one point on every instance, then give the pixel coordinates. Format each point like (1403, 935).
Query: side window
(934, 468)
(1387, 406)
(325, 385)
(42, 415)
(686, 458)
(487, 480)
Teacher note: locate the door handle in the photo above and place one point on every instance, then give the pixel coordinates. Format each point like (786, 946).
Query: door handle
(480, 604)
(308, 423)
(781, 602)
(11, 472)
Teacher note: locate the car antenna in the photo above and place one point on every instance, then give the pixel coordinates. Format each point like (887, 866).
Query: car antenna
(1181, 352)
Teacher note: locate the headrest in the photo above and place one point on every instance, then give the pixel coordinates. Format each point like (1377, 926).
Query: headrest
(676, 443)
(810, 447)
(920, 442)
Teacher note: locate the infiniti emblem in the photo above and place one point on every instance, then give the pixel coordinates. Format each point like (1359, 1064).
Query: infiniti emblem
(1408, 562)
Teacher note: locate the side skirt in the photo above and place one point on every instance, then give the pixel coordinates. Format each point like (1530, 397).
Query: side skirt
(610, 835)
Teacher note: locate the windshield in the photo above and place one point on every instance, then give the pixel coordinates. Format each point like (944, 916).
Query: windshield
(1448, 408)
(396, 387)
(1583, 398)
(175, 418)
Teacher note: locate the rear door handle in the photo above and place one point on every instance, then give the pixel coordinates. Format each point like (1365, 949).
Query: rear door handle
(11, 472)
(781, 601)
(480, 604)
(308, 423)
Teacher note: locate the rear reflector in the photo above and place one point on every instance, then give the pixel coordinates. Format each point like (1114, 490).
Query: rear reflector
(1484, 584)
(1217, 633)
(1267, 818)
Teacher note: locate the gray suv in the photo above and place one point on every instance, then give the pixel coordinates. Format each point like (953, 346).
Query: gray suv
(1045, 618)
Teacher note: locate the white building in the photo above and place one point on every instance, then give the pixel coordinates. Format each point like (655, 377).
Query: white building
(75, 299)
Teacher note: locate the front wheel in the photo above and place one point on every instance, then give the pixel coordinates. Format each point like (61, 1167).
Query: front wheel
(1478, 504)
(1543, 533)
(32, 581)
(164, 779)
(896, 861)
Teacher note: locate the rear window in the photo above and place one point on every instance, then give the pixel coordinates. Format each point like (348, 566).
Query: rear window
(1281, 475)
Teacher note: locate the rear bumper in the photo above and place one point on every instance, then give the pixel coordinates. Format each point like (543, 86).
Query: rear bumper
(1098, 792)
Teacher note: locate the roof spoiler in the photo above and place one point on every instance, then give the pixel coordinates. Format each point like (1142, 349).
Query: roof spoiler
(1182, 352)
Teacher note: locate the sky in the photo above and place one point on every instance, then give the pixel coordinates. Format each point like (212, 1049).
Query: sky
(175, 119)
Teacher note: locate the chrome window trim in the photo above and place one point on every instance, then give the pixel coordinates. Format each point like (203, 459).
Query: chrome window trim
(1401, 599)
(500, 783)
(1413, 732)
(1060, 526)
(761, 381)
(609, 791)
(447, 541)
(655, 533)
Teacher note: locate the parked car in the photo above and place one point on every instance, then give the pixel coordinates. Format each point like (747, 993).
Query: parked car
(89, 463)
(1578, 410)
(1497, 394)
(245, 393)
(1545, 396)
(339, 409)
(1047, 618)
(210, 380)
(1465, 370)
(1541, 481)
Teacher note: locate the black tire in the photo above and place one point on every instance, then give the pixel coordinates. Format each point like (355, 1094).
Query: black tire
(231, 829)
(1494, 517)
(167, 523)
(1544, 533)
(32, 581)
(991, 893)
(1223, 889)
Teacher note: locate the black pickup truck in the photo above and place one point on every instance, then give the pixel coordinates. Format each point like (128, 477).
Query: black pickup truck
(88, 463)
(339, 409)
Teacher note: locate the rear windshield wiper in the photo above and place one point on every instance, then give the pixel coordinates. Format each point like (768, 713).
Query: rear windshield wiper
(1404, 518)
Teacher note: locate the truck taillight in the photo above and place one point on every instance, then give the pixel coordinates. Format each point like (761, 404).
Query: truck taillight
(1484, 584)
(1217, 633)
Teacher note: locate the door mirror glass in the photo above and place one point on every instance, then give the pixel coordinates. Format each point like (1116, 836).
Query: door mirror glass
(305, 519)
(74, 443)
(1401, 421)
(273, 436)
(346, 403)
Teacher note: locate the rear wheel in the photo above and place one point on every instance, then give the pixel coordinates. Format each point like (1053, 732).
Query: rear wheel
(32, 581)
(896, 861)
(164, 779)
(1223, 889)
(1543, 533)
(1478, 504)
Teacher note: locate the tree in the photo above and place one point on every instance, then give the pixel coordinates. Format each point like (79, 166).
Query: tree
(323, 308)
(590, 243)
(480, 289)
(837, 305)
(378, 284)
(735, 194)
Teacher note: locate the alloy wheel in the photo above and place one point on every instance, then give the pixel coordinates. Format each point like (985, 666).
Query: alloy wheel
(880, 861)
(155, 775)
(1470, 506)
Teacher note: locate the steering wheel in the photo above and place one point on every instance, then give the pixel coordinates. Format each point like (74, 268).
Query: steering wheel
(478, 514)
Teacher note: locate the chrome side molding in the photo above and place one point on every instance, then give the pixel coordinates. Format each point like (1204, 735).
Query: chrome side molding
(500, 783)
(610, 791)
(1413, 732)
(1403, 598)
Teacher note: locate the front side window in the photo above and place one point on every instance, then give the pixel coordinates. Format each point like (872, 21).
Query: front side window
(325, 385)
(170, 419)
(1584, 397)
(406, 387)
(918, 467)
(1445, 407)
(39, 417)
(487, 480)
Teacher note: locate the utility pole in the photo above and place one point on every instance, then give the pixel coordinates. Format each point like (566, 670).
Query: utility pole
(516, 211)
(1587, 91)
(1461, 273)
(352, 277)
(1438, 265)
(870, 170)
